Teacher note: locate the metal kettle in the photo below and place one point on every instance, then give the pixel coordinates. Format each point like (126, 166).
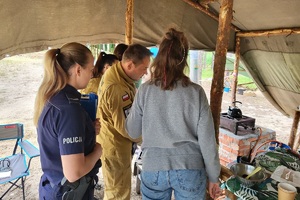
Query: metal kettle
(234, 111)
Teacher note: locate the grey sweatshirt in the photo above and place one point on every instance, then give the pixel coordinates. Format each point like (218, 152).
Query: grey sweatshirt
(177, 129)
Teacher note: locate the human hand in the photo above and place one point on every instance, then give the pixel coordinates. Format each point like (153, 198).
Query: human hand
(97, 126)
(214, 190)
(221, 196)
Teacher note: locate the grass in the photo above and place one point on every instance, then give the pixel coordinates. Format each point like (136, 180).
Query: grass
(207, 73)
(243, 81)
(246, 82)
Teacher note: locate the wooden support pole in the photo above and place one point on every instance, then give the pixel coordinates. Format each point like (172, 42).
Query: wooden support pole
(201, 8)
(235, 70)
(216, 92)
(240, 33)
(269, 32)
(129, 22)
(294, 131)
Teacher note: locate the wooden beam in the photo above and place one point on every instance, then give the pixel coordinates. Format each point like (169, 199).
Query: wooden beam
(235, 70)
(205, 3)
(268, 32)
(246, 83)
(129, 22)
(294, 131)
(205, 11)
(203, 7)
(216, 92)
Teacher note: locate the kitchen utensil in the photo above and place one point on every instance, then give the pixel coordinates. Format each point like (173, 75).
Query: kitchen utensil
(254, 172)
(241, 171)
(234, 111)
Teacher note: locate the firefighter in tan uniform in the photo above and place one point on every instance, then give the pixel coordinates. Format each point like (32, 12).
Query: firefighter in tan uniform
(92, 86)
(116, 94)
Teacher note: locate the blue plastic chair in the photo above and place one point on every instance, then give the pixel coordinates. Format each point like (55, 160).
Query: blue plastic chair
(15, 167)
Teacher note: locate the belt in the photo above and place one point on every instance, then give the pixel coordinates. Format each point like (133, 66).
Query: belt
(72, 191)
(76, 190)
(46, 182)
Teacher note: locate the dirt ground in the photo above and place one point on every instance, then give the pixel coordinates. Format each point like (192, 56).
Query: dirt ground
(20, 77)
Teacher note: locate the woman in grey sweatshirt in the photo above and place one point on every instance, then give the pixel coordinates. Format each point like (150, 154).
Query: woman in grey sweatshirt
(174, 118)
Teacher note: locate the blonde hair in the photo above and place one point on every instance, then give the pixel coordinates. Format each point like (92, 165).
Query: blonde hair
(57, 63)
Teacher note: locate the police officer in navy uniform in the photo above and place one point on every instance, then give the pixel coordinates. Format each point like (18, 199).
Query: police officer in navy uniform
(66, 134)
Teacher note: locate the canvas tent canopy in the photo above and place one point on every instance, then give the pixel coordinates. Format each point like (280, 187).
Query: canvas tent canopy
(271, 59)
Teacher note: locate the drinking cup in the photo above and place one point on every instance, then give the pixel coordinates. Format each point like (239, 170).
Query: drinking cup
(286, 191)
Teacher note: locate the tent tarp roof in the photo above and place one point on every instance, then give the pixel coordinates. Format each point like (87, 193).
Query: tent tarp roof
(273, 61)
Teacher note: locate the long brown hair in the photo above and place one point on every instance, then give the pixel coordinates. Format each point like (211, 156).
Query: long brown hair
(168, 66)
(57, 63)
(102, 60)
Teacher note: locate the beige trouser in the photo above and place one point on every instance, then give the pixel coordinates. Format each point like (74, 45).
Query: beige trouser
(116, 169)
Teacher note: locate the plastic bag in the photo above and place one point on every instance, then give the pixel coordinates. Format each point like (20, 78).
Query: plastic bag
(284, 175)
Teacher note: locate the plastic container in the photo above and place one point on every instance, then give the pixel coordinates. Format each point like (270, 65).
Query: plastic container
(226, 89)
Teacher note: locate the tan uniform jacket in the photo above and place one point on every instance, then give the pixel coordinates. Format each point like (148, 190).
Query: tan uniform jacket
(92, 86)
(115, 96)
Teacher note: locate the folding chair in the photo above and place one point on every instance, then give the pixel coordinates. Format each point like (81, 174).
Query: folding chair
(15, 167)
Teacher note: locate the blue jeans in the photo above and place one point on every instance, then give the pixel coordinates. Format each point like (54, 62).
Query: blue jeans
(186, 184)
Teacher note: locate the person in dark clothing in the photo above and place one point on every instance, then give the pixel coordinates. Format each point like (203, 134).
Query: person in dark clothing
(66, 133)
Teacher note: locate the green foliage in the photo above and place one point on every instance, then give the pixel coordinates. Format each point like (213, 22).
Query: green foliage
(97, 48)
(207, 73)
(242, 80)
(209, 59)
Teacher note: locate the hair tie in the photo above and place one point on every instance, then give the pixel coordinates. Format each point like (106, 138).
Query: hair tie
(182, 56)
(57, 51)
